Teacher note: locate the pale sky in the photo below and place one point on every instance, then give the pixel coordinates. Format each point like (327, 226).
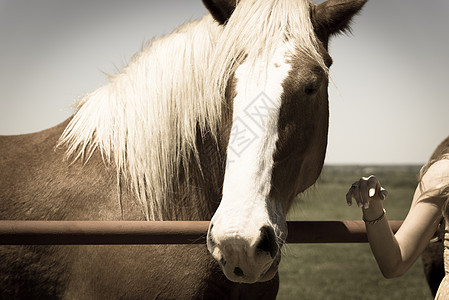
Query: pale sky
(388, 99)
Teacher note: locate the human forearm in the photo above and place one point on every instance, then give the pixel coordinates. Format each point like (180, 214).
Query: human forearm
(382, 241)
(395, 253)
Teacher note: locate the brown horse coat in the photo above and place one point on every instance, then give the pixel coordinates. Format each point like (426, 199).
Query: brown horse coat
(38, 181)
(40, 184)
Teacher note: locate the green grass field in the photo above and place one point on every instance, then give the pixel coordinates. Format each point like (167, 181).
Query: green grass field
(348, 271)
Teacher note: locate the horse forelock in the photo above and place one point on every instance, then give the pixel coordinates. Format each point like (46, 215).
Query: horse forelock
(256, 29)
(146, 118)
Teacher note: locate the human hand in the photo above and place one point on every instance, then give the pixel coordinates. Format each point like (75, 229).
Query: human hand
(366, 190)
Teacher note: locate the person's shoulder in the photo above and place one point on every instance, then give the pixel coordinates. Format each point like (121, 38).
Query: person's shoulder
(437, 175)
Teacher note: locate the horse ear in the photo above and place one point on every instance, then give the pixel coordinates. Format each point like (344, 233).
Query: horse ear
(221, 10)
(334, 16)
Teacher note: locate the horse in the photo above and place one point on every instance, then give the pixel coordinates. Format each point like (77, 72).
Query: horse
(225, 119)
(432, 257)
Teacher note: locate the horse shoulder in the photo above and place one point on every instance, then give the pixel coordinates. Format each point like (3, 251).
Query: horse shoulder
(38, 181)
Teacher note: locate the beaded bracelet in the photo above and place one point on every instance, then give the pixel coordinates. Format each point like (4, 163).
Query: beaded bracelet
(376, 220)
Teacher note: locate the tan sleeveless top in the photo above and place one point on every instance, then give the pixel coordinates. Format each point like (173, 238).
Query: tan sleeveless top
(443, 290)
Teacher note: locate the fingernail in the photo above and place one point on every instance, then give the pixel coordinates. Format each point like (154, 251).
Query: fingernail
(366, 206)
(372, 192)
(360, 204)
(349, 203)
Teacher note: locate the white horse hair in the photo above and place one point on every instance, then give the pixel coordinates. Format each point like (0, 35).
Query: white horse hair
(146, 118)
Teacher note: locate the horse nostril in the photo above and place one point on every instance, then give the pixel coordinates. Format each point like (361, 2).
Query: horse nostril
(267, 241)
(238, 272)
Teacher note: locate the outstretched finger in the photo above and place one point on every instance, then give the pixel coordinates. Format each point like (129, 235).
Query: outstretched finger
(364, 192)
(353, 192)
(373, 186)
(383, 193)
(376, 188)
(349, 195)
(356, 194)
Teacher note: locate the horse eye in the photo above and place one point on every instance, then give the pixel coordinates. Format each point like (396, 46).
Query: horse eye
(310, 90)
(313, 81)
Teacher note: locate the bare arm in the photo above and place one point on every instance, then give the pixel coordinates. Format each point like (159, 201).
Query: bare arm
(396, 253)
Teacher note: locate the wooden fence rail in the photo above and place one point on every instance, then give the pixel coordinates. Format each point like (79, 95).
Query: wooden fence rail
(163, 232)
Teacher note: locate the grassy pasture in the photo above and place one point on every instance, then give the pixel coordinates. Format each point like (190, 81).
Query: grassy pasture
(348, 271)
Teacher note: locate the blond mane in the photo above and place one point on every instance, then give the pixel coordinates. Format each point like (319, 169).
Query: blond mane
(146, 118)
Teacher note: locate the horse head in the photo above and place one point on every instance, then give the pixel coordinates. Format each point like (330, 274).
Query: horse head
(277, 135)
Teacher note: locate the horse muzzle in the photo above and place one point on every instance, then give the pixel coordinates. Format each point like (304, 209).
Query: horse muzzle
(244, 257)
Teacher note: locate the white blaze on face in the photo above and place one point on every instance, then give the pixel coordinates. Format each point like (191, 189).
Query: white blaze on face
(245, 207)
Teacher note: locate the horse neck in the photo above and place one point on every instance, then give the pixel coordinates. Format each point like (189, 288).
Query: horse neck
(197, 194)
